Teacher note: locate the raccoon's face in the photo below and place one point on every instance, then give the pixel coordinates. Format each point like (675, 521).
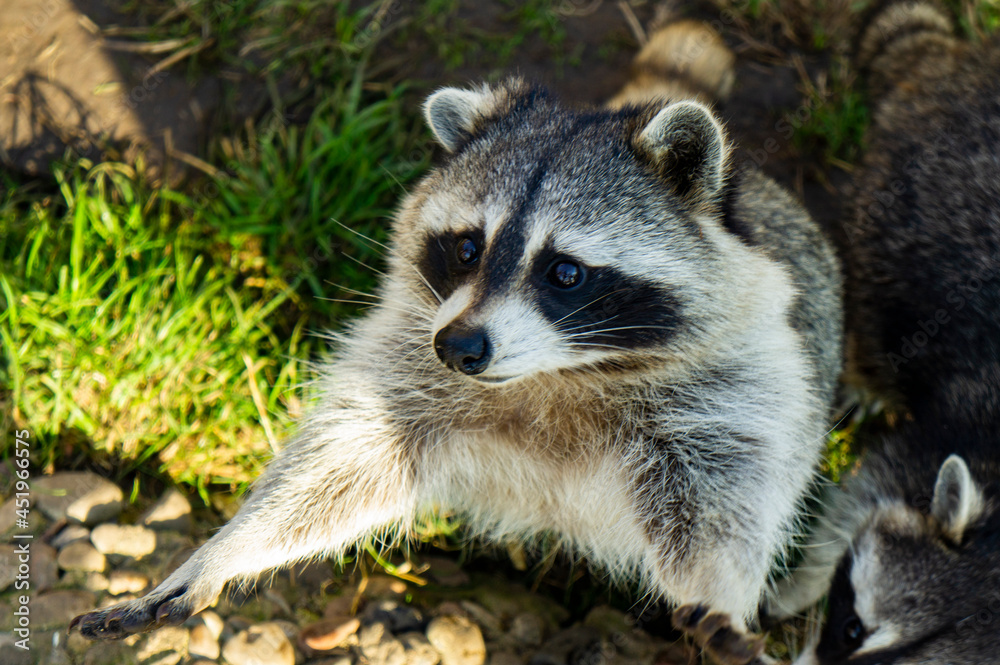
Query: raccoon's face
(911, 590)
(548, 242)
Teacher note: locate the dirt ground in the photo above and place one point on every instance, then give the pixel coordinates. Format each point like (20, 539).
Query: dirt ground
(66, 79)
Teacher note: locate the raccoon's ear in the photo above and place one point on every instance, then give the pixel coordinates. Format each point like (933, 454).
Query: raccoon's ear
(957, 499)
(689, 148)
(453, 113)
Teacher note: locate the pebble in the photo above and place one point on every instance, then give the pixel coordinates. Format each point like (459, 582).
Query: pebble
(44, 569)
(69, 534)
(126, 581)
(397, 618)
(527, 629)
(458, 640)
(110, 653)
(164, 646)
(171, 513)
(557, 649)
(10, 654)
(329, 633)
(81, 556)
(487, 621)
(419, 650)
(132, 541)
(202, 643)
(337, 659)
(78, 496)
(55, 609)
(262, 644)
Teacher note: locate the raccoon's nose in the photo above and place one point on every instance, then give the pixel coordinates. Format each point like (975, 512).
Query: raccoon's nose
(463, 349)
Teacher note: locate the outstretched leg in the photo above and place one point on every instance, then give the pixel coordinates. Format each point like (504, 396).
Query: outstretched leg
(345, 476)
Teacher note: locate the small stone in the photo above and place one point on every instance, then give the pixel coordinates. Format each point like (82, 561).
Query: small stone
(262, 644)
(202, 643)
(397, 618)
(55, 609)
(490, 624)
(110, 653)
(132, 541)
(126, 581)
(96, 582)
(557, 649)
(419, 650)
(9, 517)
(334, 659)
(372, 635)
(528, 629)
(388, 651)
(78, 496)
(164, 646)
(458, 640)
(329, 633)
(212, 621)
(11, 654)
(171, 513)
(44, 570)
(81, 556)
(505, 658)
(69, 534)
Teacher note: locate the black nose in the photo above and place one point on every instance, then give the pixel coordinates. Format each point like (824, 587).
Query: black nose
(463, 349)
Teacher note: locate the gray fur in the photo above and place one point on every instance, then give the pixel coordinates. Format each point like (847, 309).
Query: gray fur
(915, 533)
(675, 450)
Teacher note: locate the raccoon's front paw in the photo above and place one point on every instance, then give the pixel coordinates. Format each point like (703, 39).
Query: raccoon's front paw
(158, 609)
(714, 632)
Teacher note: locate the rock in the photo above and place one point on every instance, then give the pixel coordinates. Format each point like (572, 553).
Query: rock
(44, 570)
(78, 496)
(388, 651)
(131, 541)
(171, 513)
(527, 629)
(8, 518)
(164, 646)
(419, 650)
(397, 618)
(10, 654)
(71, 533)
(372, 635)
(329, 633)
(458, 640)
(505, 658)
(212, 621)
(491, 625)
(81, 556)
(557, 649)
(620, 629)
(505, 601)
(8, 566)
(126, 581)
(203, 644)
(334, 659)
(262, 644)
(55, 609)
(110, 653)
(446, 572)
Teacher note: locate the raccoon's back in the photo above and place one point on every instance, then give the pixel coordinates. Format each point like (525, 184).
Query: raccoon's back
(922, 248)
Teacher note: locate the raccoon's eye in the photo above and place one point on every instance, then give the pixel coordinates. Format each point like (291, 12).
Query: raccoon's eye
(853, 632)
(565, 274)
(466, 251)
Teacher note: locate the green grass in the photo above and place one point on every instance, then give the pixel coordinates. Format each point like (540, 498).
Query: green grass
(169, 329)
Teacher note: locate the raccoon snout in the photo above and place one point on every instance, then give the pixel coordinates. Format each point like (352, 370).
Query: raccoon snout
(463, 349)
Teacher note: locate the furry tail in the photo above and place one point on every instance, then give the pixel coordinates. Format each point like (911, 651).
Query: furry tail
(896, 34)
(683, 60)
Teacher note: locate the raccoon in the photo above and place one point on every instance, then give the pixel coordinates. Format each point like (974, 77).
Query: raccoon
(592, 324)
(909, 550)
